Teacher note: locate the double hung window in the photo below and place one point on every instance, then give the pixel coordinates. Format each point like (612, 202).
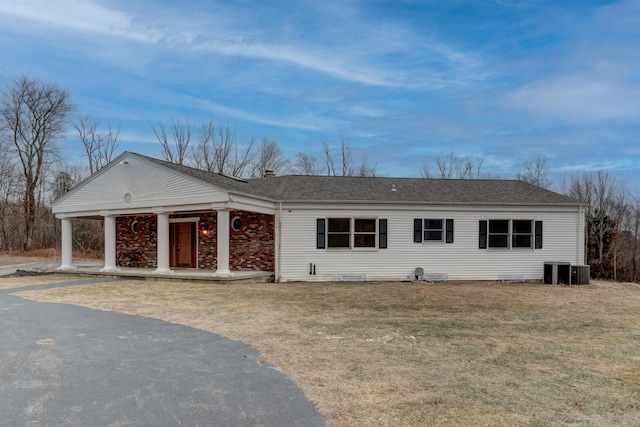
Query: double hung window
(432, 230)
(506, 233)
(351, 233)
(499, 233)
(522, 234)
(338, 232)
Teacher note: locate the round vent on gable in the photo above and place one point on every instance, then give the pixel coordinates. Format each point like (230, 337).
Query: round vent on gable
(128, 198)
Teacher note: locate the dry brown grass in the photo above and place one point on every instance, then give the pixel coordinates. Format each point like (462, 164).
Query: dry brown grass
(19, 282)
(407, 354)
(15, 258)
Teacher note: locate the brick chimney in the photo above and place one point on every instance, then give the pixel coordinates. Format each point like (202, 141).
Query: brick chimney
(269, 172)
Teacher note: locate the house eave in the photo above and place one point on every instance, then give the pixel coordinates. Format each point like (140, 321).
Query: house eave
(429, 203)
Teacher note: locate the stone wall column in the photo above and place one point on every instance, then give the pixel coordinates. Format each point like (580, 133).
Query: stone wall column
(67, 245)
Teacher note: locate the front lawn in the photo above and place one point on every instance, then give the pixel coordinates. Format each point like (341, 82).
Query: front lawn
(409, 354)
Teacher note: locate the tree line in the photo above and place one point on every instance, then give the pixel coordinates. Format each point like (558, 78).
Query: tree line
(35, 115)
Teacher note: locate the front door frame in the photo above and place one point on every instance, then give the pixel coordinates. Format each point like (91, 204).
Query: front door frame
(174, 244)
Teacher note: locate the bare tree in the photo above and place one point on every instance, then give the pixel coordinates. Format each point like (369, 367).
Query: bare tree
(218, 151)
(453, 166)
(346, 156)
(8, 193)
(269, 158)
(331, 169)
(536, 172)
(175, 142)
(99, 146)
(365, 169)
(345, 163)
(306, 164)
(606, 201)
(204, 154)
(34, 115)
(65, 177)
(633, 226)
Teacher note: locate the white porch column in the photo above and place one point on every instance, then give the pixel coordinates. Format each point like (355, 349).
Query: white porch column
(222, 238)
(67, 245)
(109, 242)
(163, 244)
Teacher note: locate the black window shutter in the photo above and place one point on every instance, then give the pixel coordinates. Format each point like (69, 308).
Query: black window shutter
(449, 231)
(483, 235)
(320, 244)
(538, 244)
(417, 230)
(382, 233)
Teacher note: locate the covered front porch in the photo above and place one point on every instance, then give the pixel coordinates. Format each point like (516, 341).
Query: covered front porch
(219, 243)
(164, 217)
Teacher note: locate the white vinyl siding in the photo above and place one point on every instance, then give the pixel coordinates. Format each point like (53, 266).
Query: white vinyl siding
(461, 260)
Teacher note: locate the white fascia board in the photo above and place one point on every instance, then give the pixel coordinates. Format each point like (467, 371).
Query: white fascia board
(404, 206)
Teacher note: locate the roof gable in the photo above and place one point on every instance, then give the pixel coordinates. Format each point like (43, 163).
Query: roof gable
(132, 181)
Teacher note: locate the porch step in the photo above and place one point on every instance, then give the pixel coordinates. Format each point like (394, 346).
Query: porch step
(178, 275)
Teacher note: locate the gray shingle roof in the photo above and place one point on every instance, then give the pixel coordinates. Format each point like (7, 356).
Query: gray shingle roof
(306, 188)
(417, 190)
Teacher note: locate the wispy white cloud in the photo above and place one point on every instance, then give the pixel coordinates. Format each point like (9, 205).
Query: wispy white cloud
(348, 55)
(500, 79)
(591, 76)
(78, 15)
(577, 98)
(300, 121)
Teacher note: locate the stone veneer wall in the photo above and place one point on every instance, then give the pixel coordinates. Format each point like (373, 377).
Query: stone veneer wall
(252, 247)
(144, 241)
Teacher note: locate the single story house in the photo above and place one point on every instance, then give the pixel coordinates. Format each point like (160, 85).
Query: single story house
(163, 216)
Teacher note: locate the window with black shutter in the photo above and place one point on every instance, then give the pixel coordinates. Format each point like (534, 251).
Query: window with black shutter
(510, 234)
(351, 233)
(482, 242)
(382, 233)
(538, 236)
(417, 230)
(320, 232)
(449, 232)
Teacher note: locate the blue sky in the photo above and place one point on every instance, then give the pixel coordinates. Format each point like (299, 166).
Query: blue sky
(500, 80)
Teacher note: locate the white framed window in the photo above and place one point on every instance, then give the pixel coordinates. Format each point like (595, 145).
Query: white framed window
(338, 232)
(432, 230)
(510, 233)
(499, 233)
(351, 233)
(522, 233)
(364, 232)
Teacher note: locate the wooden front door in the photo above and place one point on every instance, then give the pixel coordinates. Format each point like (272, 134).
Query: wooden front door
(183, 244)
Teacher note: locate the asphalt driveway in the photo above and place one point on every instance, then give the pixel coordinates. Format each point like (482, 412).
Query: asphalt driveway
(74, 366)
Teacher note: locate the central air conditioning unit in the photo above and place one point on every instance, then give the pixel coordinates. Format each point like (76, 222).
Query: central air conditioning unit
(580, 274)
